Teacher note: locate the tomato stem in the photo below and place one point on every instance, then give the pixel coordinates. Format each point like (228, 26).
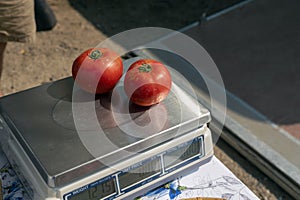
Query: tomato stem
(145, 68)
(95, 54)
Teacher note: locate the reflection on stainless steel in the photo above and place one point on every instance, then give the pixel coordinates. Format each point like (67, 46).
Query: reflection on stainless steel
(45, 128)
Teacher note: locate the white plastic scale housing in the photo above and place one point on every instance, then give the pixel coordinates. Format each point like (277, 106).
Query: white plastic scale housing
(38, 135)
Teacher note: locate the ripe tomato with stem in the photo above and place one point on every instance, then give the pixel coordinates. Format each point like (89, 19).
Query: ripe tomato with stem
(97, 70)
(147, 82)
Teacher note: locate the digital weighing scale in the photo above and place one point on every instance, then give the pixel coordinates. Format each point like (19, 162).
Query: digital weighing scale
(39, 137)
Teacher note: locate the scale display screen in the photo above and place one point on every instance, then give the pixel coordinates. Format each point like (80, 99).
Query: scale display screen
(99, 191)
(142, 172)
(182, 153)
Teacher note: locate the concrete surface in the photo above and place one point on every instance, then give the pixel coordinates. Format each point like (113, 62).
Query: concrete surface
(256, 49)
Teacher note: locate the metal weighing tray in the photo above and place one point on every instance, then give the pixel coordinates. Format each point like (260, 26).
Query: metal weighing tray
(50, 140)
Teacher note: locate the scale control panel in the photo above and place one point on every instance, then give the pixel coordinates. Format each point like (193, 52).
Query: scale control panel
(141, 173)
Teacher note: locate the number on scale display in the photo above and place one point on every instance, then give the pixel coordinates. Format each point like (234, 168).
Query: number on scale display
(96, 192)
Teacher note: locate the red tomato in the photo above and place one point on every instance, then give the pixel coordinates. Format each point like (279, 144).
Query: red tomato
(97, 70)
(147, 82)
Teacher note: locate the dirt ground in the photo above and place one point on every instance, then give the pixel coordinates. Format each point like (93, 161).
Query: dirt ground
(85, 23)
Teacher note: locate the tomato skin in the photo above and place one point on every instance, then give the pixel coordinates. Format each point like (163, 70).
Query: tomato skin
(97, 70)
(147, 82)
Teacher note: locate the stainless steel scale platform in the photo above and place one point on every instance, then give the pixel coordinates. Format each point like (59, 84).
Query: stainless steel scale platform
(39, 137)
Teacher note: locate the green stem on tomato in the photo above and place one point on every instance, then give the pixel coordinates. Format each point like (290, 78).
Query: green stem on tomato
(95, 54)
(145, 68)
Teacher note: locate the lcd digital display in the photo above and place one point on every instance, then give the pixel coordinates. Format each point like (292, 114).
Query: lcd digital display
(96, 192)
(140, 173)
(182, 153)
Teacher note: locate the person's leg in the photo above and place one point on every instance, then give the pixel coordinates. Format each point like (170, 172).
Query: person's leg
(2, 49)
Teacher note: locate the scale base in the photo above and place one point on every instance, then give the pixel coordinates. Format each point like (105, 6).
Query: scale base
(37, 189)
